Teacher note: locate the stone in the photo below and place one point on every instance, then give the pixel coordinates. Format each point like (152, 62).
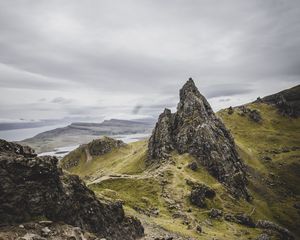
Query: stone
(33, 186)
(244, 219)
(230, 110)
(199, 229)
(193, 166)
(195, 129)
(255, 115)
(240, 218)
(199, 194)
(297, 205)
(215, 213)
(45, 231)
(263, 237)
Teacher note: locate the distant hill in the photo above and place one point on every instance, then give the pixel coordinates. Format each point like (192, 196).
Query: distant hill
(82, 132)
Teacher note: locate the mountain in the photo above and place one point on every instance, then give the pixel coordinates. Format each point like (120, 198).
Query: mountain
(201, 175)
(80, 133)
(196, 130)
(35, 188)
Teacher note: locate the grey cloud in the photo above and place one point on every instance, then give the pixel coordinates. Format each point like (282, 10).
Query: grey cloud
(143, 49)
(61, 100)
(224, 99)
(222, 90)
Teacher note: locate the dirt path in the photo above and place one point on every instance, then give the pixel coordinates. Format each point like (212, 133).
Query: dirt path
(88, 155)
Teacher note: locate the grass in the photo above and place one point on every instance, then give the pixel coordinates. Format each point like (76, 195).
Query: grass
(258, 140)
(142, 193)
(124, 160)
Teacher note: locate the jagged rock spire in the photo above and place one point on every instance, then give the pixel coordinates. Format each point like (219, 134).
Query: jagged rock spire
(195, 129)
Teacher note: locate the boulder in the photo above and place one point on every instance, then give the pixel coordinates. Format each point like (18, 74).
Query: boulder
(240, 218)
(199, 194)
(263, 237)
(215, 213)
(254, 115)
(193, 166)
(230, 110)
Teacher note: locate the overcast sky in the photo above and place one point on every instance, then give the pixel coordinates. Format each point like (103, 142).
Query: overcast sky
(128, 59)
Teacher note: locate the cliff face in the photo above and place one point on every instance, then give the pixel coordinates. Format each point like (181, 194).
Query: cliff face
(33, 187)
(195, 129)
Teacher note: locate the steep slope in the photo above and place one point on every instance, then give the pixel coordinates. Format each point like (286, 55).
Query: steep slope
(33, 187)
(195, 129)
(271, 149)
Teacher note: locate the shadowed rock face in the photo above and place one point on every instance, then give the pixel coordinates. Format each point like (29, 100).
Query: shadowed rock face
(33, 187)
(195, 129)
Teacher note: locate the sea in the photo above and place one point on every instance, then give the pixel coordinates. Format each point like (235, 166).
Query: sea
(60, 152)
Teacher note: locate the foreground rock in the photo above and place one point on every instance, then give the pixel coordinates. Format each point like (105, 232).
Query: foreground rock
(43, 230)
(33, 187)
(195, 129)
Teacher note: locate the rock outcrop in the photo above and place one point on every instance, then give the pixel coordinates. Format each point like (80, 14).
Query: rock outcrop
(199, 194)
(287, 101)
(103, 145)
(195, 129)
(283, 232)
(32, 187)
(44, 230)
(95, 148)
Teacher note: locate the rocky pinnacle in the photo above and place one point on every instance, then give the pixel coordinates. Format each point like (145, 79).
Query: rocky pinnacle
(195, 129)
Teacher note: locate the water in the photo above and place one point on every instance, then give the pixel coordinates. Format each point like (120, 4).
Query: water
(128, 138)
(21, 134)
(60, 152)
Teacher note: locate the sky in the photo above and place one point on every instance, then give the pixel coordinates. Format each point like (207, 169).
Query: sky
(127, 59)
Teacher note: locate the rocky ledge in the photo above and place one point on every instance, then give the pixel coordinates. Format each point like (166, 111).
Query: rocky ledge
(195, 129)
(34, 187)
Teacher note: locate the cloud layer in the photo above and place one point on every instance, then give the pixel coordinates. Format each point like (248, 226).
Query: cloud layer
(129, 58)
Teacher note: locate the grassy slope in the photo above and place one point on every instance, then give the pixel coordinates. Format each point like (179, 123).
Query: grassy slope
(276, 185)
(127, 160)
(165, 188)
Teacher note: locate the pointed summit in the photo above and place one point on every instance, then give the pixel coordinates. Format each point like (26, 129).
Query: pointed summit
(192, 100)
(188, 87)
(196, 130)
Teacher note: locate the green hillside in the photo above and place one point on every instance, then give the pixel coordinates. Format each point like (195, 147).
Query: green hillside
(160, 196)
(271, 149)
